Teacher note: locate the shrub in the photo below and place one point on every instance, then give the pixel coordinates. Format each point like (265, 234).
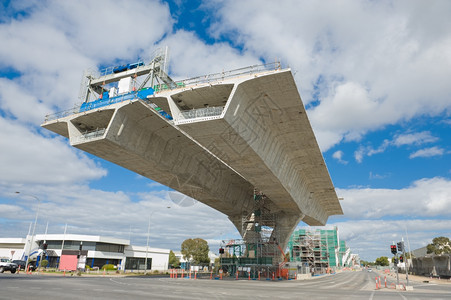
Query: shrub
(44, 263)
(88, 268)
(109, 267)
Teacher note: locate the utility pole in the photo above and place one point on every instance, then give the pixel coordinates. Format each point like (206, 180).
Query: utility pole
(44, 246)
(397, 274)
(147, 245)
(406, 261)
(34, 227)
(79, 257)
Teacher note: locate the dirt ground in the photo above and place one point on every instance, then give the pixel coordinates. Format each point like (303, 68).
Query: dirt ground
(416, 278)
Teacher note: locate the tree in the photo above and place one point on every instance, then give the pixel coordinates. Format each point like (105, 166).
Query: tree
(44, 263)
(366, 263)
(196, 251)
(174, 261)
(440, 245)
(382, 261)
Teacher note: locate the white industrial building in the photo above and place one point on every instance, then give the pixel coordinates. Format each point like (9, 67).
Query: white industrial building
(65, 249)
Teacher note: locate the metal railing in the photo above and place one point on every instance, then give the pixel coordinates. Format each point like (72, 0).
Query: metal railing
(62, 114)
(202, 112)
(90, 135)
(222, 75)
(77, 108)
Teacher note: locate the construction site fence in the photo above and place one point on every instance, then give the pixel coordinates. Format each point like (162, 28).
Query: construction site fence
(268, 273)
(247, 261)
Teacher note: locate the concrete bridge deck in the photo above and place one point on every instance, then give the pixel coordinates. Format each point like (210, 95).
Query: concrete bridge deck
(227, 139)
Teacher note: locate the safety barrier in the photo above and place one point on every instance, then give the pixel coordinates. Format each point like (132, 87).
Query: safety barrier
(237, 275)
(181, 273)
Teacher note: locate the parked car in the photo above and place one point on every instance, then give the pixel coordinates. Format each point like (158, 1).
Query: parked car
(22, 265)
(7, 265)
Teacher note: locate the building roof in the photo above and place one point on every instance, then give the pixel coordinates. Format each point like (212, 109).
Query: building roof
(81, 237)
(150, 249)
(12, 241)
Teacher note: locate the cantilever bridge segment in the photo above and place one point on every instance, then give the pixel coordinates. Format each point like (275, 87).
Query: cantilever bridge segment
(238, 141)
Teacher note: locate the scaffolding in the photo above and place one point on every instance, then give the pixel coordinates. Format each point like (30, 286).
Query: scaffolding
(258, 253)
(317, 250)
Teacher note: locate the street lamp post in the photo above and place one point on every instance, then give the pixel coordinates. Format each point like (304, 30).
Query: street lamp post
(147, 245)
(34, 226)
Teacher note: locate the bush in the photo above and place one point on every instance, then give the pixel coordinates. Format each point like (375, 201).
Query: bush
(156, 272)
(109, 267)
(88, 268)
(44, 263)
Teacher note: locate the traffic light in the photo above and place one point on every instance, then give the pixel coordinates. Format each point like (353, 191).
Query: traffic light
(221, 250)
(401, 246)
(401, 259)
(44, 246)
(395, 261)
(393, 249)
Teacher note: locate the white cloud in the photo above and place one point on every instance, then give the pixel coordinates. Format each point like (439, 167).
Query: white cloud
(115, 214)
(27, 157)
(378, 176)
(106, 30)
(424, 198)
(191, 57)
(427, 152)
(16, 101)
(369, 64)
(9, 210)
(378, 217)
(417, 138)
(338, 155)
(346, 110)
(49, 66)
(372, 239)
(358, 154)
(363, 151)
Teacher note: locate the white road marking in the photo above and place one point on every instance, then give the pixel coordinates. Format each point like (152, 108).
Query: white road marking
(402, 296)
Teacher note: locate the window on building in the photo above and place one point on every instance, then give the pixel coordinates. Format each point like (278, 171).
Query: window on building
(138, 263)
(100, 262)
(53, 244)
(105, 247)
(75, 245)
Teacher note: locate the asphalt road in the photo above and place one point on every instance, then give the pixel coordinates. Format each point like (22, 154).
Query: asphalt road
(345, 285)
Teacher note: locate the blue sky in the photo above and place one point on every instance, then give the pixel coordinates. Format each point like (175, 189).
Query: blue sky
(373, 75)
